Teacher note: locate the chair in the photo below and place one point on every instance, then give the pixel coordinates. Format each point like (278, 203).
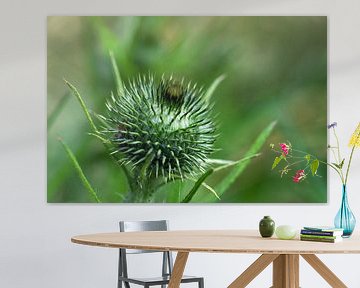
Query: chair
(167, 262)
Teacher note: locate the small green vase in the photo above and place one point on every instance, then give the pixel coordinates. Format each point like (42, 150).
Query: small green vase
(267, 227)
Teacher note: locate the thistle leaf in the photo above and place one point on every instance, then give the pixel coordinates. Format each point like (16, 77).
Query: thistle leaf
(80, 172)
(202, 178)
(119, 83)
(246, 158)
(100, 138)
(240, 167)
(213, 87)
(196, 186)
(208, 187)
(101, 119)
(55, 113)
(219, 161)
(146, 165)
(83, 106)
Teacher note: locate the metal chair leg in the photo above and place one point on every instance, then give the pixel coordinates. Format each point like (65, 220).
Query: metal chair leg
(120, 272)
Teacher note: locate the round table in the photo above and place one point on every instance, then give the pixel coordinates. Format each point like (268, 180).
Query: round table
(284, 254)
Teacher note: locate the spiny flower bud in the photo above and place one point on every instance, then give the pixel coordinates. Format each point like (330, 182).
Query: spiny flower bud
(162, 127)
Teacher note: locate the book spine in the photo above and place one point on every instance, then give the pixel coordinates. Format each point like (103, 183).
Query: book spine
(319, 233)
(318, 239)
(319, 236)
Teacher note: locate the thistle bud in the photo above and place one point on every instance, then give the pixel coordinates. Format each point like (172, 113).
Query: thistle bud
(164, 126)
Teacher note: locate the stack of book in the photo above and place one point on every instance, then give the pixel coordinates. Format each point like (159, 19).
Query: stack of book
(321, 234)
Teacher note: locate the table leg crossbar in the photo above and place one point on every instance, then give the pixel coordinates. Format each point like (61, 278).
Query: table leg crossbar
(324, 271)
(285, 271)
(254, 270)
(178, 270)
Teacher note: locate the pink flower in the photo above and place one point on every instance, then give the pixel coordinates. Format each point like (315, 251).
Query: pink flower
(299, 175)
(284, 148)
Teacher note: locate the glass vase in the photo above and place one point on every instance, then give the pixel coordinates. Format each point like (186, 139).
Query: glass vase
(345, 219)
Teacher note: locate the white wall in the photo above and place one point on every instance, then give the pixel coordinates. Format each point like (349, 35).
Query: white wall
(35, 248)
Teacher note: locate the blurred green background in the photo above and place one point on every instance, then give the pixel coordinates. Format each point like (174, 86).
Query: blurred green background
(275, 67)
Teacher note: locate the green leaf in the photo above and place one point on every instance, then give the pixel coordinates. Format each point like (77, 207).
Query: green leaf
(219, 161)
(119, 83)
(96, 132)
(240, 167)
(308, 158)
(227, 164)
(108, 38)
(314, 166)
(232, 163)
(342, 163)
(55, 113)
(276, 162)
(102, 139)
(339, 166)
(336, 165)
(80, 172)
(196, 186)
(101, 119)
(208, 187)
(213, 87)
(146, 165)
(83, 106)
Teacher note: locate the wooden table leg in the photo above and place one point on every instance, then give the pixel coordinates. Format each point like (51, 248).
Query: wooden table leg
(286, 271)
(178, 269)
(253, 270)
(293, 262)
(324, 271)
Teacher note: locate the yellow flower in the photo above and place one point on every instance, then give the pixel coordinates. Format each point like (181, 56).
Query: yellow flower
(355, 138)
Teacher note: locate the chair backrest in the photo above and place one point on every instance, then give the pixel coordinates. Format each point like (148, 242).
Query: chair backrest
(135, 226)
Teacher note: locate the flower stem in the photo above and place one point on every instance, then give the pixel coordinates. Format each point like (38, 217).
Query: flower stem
(348, 167)
(333, 152)
(350, 159)
(325, 163)
(338, 149)
(337, 144)
(297, 162)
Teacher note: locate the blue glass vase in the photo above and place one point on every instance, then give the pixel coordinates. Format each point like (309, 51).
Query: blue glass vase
(345, 219)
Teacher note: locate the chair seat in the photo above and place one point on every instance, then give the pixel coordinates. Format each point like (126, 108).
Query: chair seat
(158, 280)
